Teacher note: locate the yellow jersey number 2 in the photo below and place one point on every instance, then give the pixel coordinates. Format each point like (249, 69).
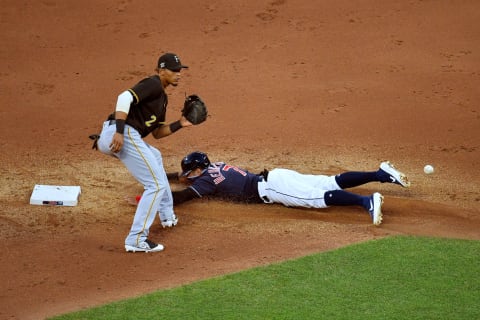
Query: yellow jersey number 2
(150, 122)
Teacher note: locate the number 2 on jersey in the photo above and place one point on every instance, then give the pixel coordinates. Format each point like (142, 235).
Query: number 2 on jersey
(150, 122)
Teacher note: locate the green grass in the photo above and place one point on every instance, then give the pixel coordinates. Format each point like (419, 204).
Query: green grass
(393, 278)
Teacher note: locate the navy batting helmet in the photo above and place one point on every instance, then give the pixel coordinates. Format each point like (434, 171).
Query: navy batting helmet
(193, 161)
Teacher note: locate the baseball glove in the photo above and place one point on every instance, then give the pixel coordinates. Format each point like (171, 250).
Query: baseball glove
(194, 109)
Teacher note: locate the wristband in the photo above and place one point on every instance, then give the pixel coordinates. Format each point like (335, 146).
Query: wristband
(120, 124)
(175, 126)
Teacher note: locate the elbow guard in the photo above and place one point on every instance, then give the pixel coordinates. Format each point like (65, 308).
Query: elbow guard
(124, 101)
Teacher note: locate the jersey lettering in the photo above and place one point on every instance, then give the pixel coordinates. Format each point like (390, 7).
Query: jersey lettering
(218, 180)
(150, 122)
(228, 167)
(227, 181)
(214, 172)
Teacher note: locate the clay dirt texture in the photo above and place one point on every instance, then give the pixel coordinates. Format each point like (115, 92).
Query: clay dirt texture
(321, 87)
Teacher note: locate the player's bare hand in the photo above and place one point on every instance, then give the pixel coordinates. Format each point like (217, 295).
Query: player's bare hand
(184, 122)
(117, 142)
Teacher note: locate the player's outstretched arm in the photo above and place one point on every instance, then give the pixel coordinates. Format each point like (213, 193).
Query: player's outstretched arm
(168, 129)
(184, 196)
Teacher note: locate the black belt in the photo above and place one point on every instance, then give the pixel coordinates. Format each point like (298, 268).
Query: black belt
(264, 174)
(262, 178)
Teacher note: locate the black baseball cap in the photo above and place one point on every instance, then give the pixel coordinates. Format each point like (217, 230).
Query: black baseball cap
(171, 62)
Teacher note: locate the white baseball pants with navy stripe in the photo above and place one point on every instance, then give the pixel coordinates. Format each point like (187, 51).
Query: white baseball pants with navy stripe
(294, 189)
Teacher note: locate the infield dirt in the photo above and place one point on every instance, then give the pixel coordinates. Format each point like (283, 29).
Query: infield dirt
(318, 87)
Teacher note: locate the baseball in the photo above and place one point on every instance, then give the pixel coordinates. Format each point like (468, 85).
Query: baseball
(428, 169)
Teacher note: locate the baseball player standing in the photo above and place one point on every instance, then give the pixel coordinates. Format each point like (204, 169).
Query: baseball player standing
(140, 111)
(284, 186)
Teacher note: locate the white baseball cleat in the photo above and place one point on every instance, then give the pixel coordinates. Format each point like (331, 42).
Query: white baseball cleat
(375, 210)
(396, 176)
(145, 246)
(168, 223)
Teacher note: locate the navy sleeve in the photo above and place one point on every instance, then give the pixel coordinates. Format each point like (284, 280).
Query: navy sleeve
(203, 185)
(183, 196)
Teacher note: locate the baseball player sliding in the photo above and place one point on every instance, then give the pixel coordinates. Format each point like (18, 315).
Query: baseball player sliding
(283, 186)
(140, 111)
